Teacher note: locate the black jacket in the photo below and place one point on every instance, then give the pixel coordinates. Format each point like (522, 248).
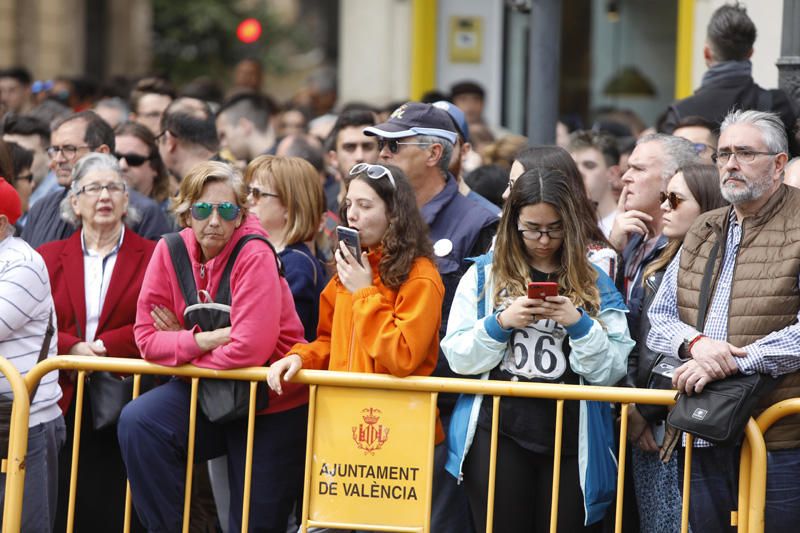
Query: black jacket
(714, 99)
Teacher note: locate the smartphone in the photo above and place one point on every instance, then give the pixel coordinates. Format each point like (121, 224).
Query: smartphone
(350, 239)
(542, 289)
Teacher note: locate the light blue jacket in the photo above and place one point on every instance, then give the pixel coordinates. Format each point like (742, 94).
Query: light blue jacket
(474, 346)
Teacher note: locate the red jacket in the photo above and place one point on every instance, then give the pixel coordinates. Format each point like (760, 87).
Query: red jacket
(64, 260)
(264, 322)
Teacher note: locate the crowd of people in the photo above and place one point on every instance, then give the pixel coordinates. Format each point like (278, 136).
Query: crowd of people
(184, 227)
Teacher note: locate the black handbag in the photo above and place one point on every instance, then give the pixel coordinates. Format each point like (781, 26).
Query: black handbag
(720, 413)
(6, 404)
(108, 394)
(221, 400)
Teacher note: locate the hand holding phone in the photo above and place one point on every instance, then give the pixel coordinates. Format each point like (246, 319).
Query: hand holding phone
(351, 239)
(542, 289)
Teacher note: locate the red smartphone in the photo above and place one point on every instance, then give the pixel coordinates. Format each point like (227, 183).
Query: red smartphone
(542, 289)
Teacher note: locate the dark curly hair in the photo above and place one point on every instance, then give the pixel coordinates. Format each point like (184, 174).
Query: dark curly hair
(406, 238)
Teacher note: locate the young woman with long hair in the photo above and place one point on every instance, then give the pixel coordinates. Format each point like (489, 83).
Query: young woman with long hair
(579, 335)
(382, 314)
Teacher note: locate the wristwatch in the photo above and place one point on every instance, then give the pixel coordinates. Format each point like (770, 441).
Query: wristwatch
(686, 346)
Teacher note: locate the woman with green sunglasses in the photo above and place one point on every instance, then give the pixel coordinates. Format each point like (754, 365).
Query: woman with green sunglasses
(211, 206)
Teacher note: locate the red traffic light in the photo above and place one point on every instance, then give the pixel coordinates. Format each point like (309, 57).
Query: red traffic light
(249, 30)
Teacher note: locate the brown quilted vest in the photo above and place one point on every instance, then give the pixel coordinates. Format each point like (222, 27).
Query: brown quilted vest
(764, 296)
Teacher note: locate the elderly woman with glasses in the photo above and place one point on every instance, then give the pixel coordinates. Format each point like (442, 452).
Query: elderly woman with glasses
(96, 275)
(153, 429)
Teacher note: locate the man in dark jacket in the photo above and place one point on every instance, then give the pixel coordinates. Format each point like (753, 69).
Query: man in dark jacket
(419, 139)
(728, 83)
(73, 137)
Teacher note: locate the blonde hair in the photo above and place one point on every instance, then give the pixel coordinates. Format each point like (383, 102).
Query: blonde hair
(297, 185)
(195, 181)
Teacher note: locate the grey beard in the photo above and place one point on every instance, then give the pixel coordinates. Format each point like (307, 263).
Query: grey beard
(753, 191)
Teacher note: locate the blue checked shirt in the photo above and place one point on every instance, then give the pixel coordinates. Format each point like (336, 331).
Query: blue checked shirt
(776, 354)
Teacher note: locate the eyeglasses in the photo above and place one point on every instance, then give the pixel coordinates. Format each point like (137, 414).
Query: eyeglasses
(536, 234)
(226, 210)
(394, 144)
(94, 189)
(69, 150)
(162, 134)
(375, 172)
(258, 193)
(133, 160)
(699, 148)
(722, 157)
(673, 199)
(26, 177)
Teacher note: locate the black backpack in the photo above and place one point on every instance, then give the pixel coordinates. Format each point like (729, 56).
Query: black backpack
(221, 400)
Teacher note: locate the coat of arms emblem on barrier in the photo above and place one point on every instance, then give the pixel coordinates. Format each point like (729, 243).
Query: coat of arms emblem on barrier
(369, 435)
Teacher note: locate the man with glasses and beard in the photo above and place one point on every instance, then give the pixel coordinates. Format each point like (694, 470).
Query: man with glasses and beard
(73, 137)
(751, 322)
(419, 139)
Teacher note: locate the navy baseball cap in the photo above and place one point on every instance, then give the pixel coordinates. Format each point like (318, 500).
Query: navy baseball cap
(458, 117)
(414, 118)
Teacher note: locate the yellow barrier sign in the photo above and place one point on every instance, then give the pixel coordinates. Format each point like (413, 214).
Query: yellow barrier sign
(372, 457)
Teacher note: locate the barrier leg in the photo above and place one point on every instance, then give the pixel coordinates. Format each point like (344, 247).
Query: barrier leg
(76, 448)
(312, 413)
(430, 461)
(492, 464)
(187, 496)
(758, 478)
(137, 383)
(687, 483)
(248, 461)
(556, 466)
(623, 448)
(740, 516)
(14, 467)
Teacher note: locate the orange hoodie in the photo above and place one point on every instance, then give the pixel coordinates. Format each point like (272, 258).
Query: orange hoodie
(378, 330)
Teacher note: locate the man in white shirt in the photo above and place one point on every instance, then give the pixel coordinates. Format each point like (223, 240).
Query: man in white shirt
(26, 310)
(597, 157)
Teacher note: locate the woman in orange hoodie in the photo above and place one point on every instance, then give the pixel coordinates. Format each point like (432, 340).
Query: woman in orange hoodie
(381, 315)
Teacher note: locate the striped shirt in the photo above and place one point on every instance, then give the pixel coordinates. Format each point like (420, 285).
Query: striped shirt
(777, 353)
(26, 304)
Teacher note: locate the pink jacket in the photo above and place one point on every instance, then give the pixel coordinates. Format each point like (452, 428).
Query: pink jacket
(263, 317)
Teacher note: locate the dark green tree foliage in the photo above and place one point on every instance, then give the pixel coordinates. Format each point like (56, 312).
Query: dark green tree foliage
(198, 38)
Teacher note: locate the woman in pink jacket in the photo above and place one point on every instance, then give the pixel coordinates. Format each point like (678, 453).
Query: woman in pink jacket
(153, 429)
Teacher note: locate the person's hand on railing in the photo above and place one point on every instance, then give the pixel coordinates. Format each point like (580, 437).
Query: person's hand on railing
(716, 357)
(164, 319)
(284, 368)
(208, 340)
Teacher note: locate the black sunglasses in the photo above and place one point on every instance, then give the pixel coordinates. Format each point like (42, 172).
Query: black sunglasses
(673, 199)
(394, 144)
(133, 160)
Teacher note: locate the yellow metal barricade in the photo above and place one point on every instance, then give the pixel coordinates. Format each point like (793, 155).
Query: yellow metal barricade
(388, 423)
(14, 465)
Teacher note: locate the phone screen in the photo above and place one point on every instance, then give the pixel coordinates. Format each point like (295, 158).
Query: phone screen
(350, 239)
(542, 289)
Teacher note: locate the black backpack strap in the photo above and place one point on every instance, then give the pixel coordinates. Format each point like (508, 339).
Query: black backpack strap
(182, 266)
(705, 286)
(223, 295)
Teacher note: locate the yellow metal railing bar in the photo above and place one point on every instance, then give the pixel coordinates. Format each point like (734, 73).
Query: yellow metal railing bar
(187, 493)
(556, 466)
(623, 448)
(433, 415)
(248, 460)
(76, 448)
(14, 464)
(751, 514)
(687, 483)
(312, 417)
(492, 464)
(126, 528)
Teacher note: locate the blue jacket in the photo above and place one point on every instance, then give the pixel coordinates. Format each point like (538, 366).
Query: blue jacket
(475, 344)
